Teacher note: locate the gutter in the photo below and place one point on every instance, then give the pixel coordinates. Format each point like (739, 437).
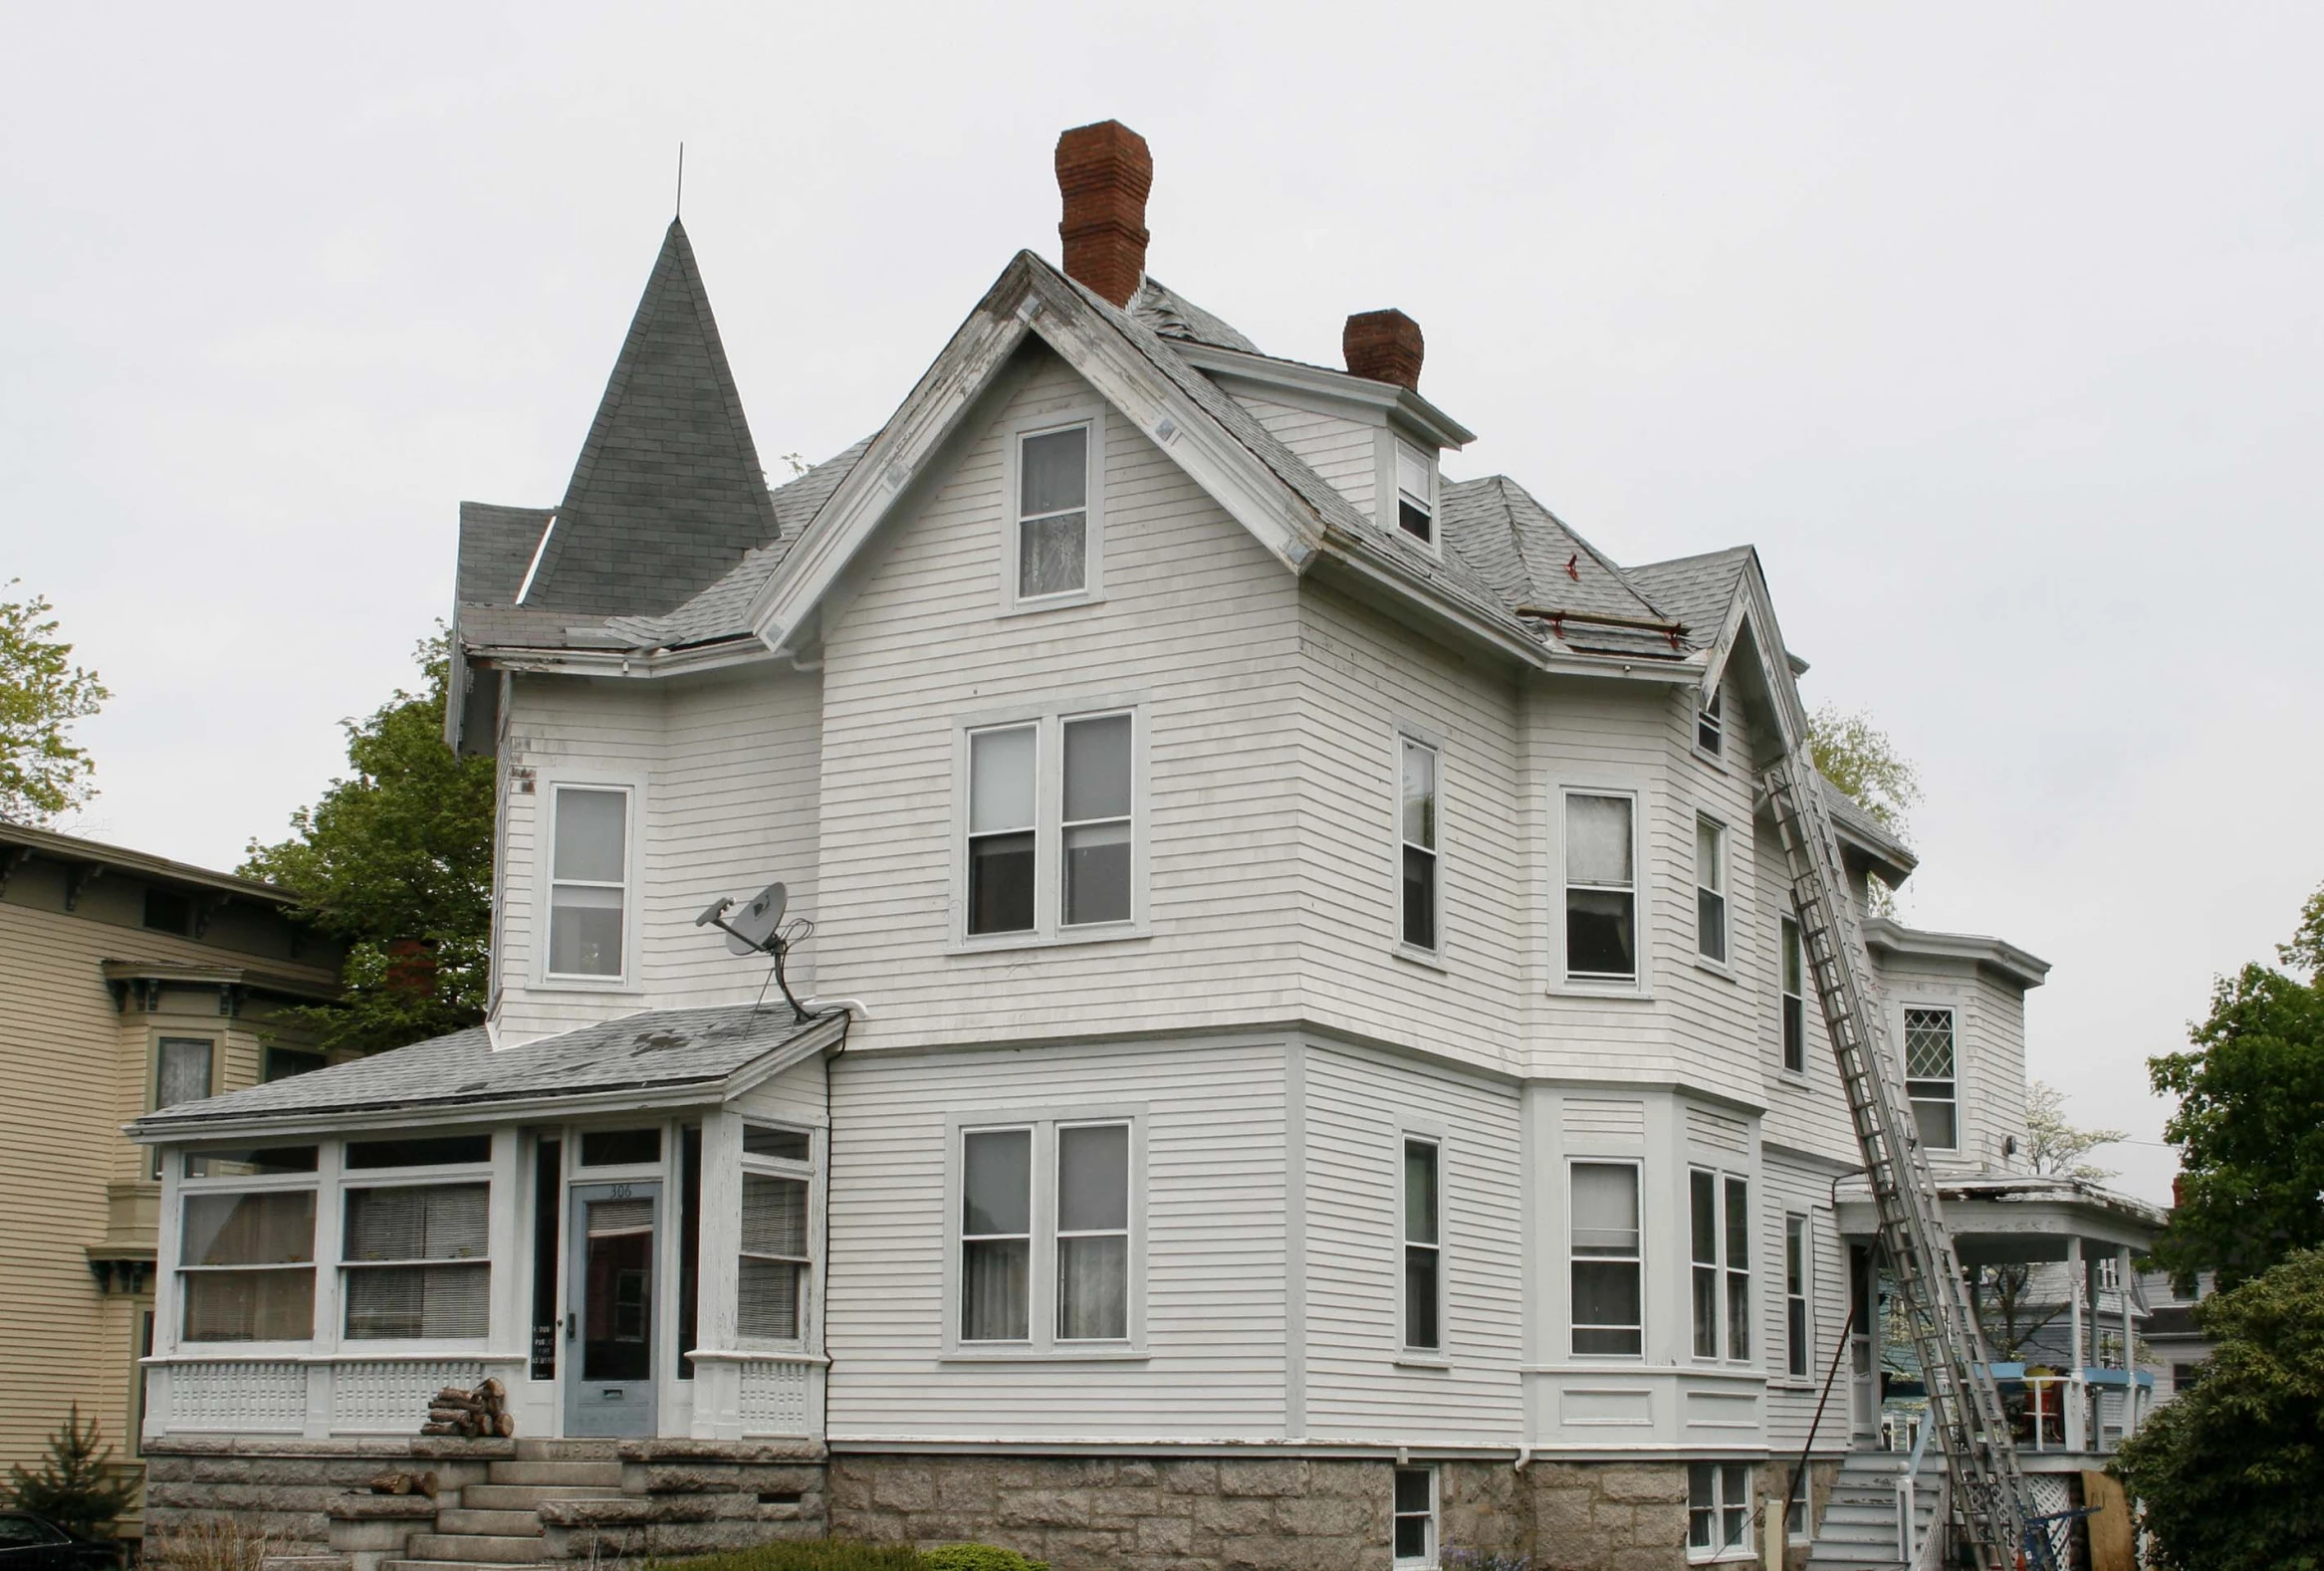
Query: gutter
(731, 650)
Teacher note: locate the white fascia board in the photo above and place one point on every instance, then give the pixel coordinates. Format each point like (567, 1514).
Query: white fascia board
(624, 662)
(1423, 417)
(1729, 625)
(918, 429)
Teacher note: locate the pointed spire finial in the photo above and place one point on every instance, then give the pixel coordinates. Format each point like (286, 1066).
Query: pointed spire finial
(678, 207)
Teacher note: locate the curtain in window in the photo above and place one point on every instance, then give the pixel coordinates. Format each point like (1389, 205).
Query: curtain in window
(1093, 1288)
(248, 1229)
(419, 1301)
(774, 1224)
(184, 1074)
(995, 1301)
(435, 1223)
(249, 1306)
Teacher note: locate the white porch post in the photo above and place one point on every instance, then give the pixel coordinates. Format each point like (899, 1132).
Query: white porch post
(2076, 1405)
(2129, 1359)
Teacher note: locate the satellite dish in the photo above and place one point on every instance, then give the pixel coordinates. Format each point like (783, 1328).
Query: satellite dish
(750, 929)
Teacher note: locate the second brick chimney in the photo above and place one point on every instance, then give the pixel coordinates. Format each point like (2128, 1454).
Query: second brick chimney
(1384, 347)
(1103, 173)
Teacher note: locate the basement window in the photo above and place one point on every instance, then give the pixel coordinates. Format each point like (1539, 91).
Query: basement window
(1719, 1510)
(1416, 494)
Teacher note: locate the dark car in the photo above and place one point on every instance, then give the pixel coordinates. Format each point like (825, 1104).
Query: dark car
(29, 1543)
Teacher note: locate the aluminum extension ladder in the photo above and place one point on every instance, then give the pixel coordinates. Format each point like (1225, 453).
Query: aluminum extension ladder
(1988, 1491)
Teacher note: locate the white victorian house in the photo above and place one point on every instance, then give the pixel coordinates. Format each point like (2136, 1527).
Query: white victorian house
(1303, 1056)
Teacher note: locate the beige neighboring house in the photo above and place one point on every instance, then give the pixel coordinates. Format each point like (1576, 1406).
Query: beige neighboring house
(127, 982)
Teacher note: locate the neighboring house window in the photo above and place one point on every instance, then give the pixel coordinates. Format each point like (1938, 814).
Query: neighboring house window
(589, 881)
(1417, 840)
(246, 1266)
(1794, 1002)
(1799, 1339)
(1931, 1069)
(1081, 822)
(1601, 890)
(1053, 513)
(1093, 1232)
(1423, 1245)
(1719, 1239)
(1608, 1301)
(1096, 827)
(1416, 494)
(771, 1271)
(1710, 890)
(181, 1074)
(1711, 724)
(415, 1261)
(996, 1235)
(283, 1062)
(1719, 1510)
(1416, 1516)
(1001, 829)
(168, 911)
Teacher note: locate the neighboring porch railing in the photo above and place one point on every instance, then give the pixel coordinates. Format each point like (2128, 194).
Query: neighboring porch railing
(2090, 1410)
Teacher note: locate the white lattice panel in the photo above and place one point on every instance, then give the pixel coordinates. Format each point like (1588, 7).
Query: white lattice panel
(2051, 1494)
(773, 1398)
(268, 1396)
(390, 1396)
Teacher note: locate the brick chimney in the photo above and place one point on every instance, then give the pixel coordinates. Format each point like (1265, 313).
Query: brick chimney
(1103, 173)
(1384, 347)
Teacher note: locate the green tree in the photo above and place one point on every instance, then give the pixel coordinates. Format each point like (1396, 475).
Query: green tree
(2249, 1127)
(395, 862)
(42, 774)
(2054, 1145)
(1857, 756)
(2230, 1476)
(77, 1487)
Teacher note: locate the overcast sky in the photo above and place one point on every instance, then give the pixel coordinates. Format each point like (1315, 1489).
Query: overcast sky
(1996, 328)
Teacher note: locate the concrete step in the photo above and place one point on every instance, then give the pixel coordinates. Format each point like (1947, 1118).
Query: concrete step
(441, 1565)
(509, 1523)
(568, 1450)
(478, 1548)
(525, 1496)
(604, 1474)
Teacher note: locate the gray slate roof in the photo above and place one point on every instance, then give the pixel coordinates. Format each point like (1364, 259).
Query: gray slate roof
(495, 547)
(668, 493)
(656, 1050)
(1696, 590)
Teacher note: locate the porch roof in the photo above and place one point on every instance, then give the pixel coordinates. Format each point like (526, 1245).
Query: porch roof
(712, 1052)
(2008, 1218)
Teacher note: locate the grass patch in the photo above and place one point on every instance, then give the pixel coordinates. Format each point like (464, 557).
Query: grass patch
(844, 1554)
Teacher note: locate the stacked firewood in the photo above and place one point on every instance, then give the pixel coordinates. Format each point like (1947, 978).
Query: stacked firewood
(470, 1415)
(406, 1484)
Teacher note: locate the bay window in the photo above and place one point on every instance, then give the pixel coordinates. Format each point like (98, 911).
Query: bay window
(1608, 1296)
(1718, 1237)
(1932, 1068)
(1798, 1336)
(1601, 888)
(1710, 890)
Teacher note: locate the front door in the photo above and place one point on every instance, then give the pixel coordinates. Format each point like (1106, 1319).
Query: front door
(608, 1325)
(1863, 1366)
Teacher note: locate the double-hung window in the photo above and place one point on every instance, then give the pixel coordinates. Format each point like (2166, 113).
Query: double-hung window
(1045, 1221)
(1931, 1068)
(1711, 724)
(1415, 1512)
(246, 1261)
(1028, 816)
(1423, 1246)
(1794, 999)
(1719, 1510)
(1052, 535)
(1719, 1236)
(1416, 844)
(415, 1261)
(1416, 494)
(1601, 888)
(589, 880)
(1798, 1333)
(772, 1265)
(1608, 1296)
(1710, 890)
(181, 1074)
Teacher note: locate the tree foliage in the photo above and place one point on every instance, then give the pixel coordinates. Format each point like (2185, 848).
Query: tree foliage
(2230, 1476)
(77, 1487)
(1858, 756)
(2054, 1145)
(42, 773)
(2249, 1127)
(395, 862)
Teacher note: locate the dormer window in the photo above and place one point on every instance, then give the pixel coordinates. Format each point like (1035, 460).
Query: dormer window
(1711, 725)
(1416, 493)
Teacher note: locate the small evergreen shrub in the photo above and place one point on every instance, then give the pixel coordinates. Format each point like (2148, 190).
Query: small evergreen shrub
(803, 1554)
(78, 1487)
(978, 1557)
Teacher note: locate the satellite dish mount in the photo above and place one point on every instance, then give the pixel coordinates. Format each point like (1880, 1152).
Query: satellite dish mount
(757, 928)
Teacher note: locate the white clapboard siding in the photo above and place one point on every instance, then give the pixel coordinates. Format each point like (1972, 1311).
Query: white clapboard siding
(1344, 452)
(1364, 683)
(1197, 624)
(1791, 1186)
(1214, 1203)
(1359, 1108)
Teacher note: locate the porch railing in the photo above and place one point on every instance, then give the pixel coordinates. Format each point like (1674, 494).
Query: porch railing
(2080, 1410)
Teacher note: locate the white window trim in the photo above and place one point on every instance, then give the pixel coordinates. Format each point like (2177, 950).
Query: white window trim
(1407, 1352)
(1723, 966)
(1637, 1169)
(1049, 928)
(169, 1295)
(1904, 1062)
(1041, 1343)
(1430, 955)
(1056, 415)
(1783, 995)
(1722, 1309)
(1435, 1549)
(1586, 985)
(437, 1176)
(545, 881)
(1392, 493)
(1719, 1553)
(1805, 1297)
(809, 1172)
